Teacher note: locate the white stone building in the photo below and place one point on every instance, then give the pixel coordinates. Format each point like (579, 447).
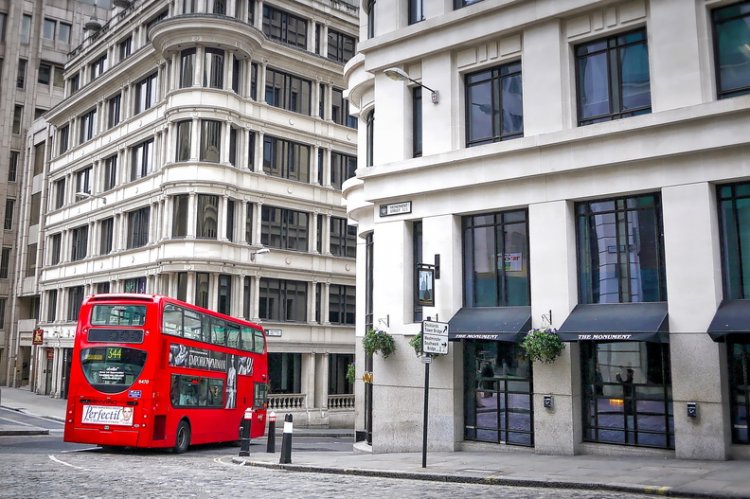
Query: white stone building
(585, 163)
(194, 134)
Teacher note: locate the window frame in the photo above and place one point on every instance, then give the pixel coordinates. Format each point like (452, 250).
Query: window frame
(720, 93)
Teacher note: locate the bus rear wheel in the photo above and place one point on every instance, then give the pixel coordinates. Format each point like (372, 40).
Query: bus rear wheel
(182, 441)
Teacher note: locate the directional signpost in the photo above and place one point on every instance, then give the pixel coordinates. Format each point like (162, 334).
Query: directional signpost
(434, 342)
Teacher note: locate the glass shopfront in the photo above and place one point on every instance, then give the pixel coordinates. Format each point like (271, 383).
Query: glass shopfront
(497, 393)
(627, 393)
(739, 385)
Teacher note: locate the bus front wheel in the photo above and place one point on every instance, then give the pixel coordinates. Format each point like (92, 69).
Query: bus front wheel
(182, 442)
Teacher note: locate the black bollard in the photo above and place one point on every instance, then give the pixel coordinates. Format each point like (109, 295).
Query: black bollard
(271, 441)
(286, 441)
(245, 432)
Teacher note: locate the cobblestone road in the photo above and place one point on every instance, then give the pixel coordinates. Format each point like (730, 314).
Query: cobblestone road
(125, 474)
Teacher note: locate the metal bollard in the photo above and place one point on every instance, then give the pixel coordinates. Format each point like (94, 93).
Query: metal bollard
(286, 441)
(271, 441)
(245, 432)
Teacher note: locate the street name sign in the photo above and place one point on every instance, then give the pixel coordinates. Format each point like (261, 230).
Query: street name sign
(435, 338)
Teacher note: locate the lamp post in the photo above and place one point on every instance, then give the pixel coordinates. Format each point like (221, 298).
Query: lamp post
(86, 195)
(261, 251)
(399, 74)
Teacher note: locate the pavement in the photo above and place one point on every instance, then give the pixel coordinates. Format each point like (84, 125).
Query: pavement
(663, 476)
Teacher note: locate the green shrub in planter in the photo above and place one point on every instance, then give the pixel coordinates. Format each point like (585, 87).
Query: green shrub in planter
(416, 344)
(542, 345)
(376, 341)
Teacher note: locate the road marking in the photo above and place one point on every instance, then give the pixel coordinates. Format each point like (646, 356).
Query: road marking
(219, 460)
(53, 458)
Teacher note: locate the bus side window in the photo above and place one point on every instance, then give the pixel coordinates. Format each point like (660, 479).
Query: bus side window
(218, 332)
(172, 320)
(193, 326)
(247, 339)
(233, 336)
(260, 342)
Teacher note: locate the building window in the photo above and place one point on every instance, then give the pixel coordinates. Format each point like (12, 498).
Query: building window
(180, 212)
(218, 7)
(188, 6)
(416, 11)
(496, 259)
(251, 150)
(246, 295)
(236, 73)
(370, 139)
(249, 223)
(17, 119)
(57, 77)
(285, 372)
(416, 248)
(230, 219)
(39, 155)
(75, 83)
(621, 250)
(739, 374)
(370, 18)
(201, 289)
(62, 139)
(287, 91)
(253, 81)
(224, 302)
(731, 41)
(341, 304)
(145, 93)
(102, 288)
(88, 126)
(498, 392)
(207, 216)
(75, 300)
(135, 285)
(106, 235)
(210, 141)
(25, 29)
(187, 68)
(63, 32)
(340, 109)
(416, 124)
(213, 68)
(141, 159)
(113, 110)
(233, 146)
(5, 262)
(613, 78)
(110, 172)
(282, 300)
(494, 104)
(734, 217)
(59, 188)
(340, 46)
(138, 222)
(343, 167)
(343, 238)
(13, 166)
(21, 73)
(45, 73)
(79, 242)
(627, 405)
(284, 229)
(3, 16)
(98, 67)
(182, 286)
(55, 249)
(184, 130)
(285, 159)
(9, 204)
(52, 305)
(83, 180)
(319, 234)
(125, 48)
(284, 27)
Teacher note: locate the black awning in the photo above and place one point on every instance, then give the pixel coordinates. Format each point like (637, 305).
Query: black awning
(732, 317)
(490, 323)
(616, 322)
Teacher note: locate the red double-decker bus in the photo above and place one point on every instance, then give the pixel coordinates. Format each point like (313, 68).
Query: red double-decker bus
(151, 371)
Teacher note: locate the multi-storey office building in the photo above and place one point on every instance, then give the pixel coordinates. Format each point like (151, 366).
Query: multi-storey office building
(35, 38)
(585, 162)
(193, 135)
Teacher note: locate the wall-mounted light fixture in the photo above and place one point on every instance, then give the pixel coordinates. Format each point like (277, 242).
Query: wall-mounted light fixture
(261, 251)
(86, 195)
(399, 74)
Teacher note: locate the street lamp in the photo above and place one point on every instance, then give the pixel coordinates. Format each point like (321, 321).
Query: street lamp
(261, 251)
(86, 195)
(399, 74)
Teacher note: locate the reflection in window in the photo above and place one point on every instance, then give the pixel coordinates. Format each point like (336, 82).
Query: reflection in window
(343, 238)
(341, 304)
(494, 104)
(187, 68)
(286, 159)
(285, 372)
(138, 226)
(201, 289)
(284, 27)
(213, 68)
(207, 216)
(732, 49)
(180, 215)
(183, 140)
(210, 141)
(496, 259)
(145, 93)
(141, 159)
(621, 250)
(734, 211)
(343, 167)
(288, 91)
(627, 393)
(613, 78)
(283, 228)
(282, 300)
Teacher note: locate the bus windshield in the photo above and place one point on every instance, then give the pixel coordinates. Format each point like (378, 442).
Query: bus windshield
(118, 315)
(112, 369)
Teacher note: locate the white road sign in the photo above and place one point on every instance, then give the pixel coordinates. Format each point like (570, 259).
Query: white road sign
(435, 337)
